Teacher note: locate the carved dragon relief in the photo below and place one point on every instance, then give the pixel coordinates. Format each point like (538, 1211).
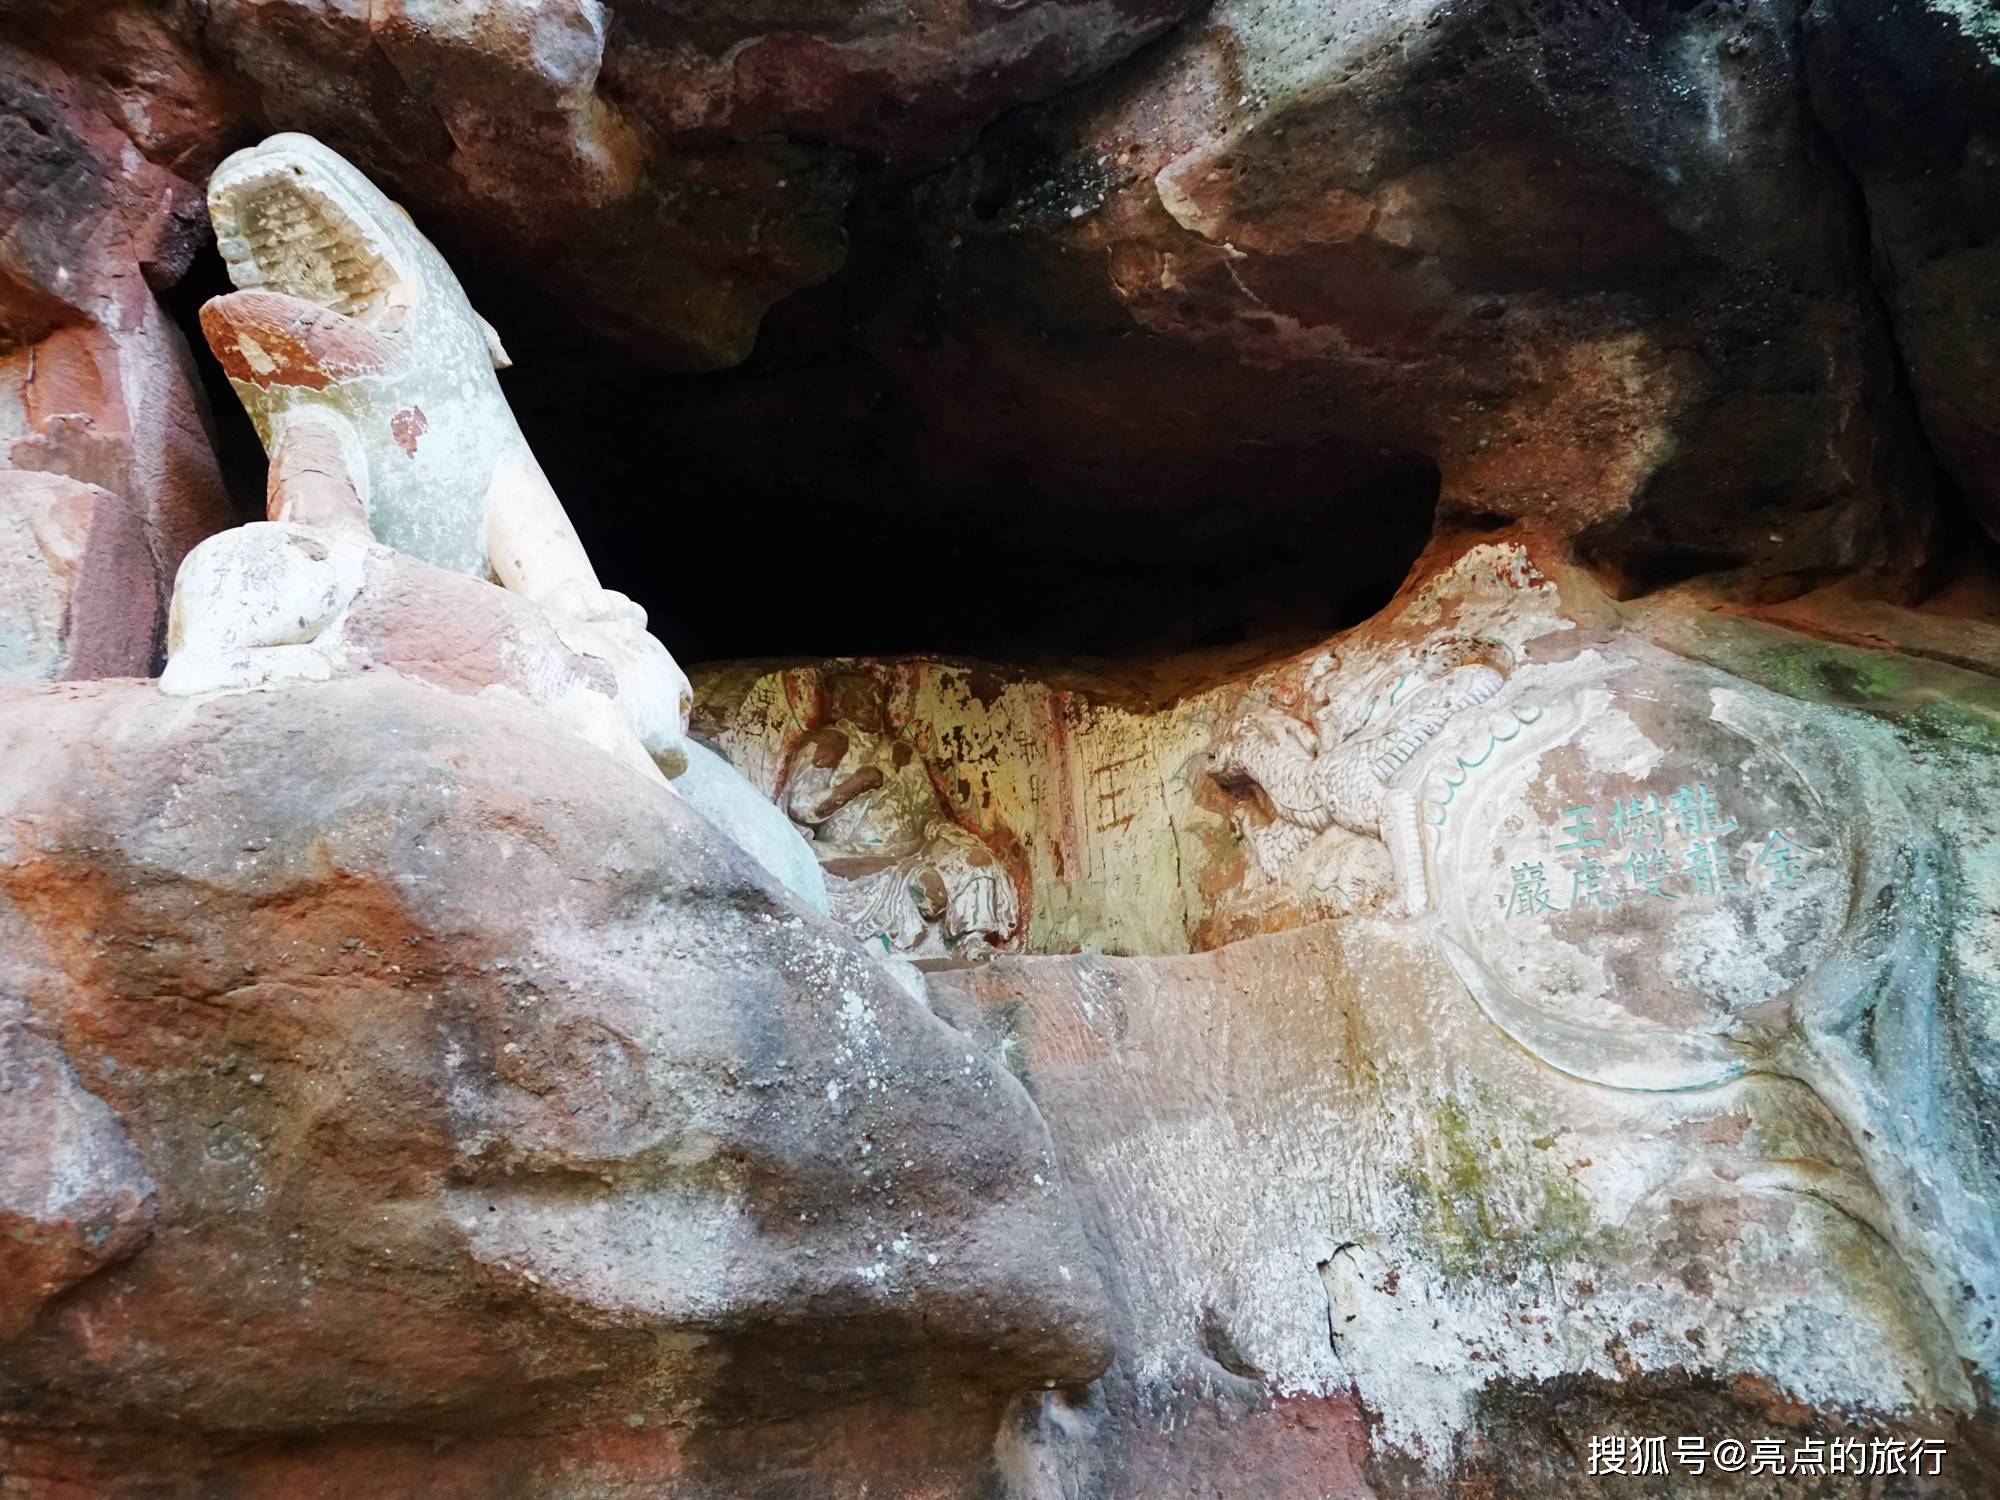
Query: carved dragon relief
(1350, 754)
(1443, 753)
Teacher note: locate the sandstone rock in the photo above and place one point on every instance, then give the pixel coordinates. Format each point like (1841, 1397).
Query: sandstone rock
(724, 796)
(1110, 859)
(144, 70)
(1910, 94)
(913, 81)
(273, 602)
(73, 1196)
(1595, 265)
(1415, 1037)
(671, 176)
(86, 214)
(95, 383)
(667, 177)
(1646, 889)
(1350, 1225)
(487, 1100)
(76, 587)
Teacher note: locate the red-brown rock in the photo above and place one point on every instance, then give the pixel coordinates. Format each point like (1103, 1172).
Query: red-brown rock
(77, 592)
(1910, 94)
(1595, 264)
(95, 383)
(670, 176)
(488, 1093)
(73, 1197)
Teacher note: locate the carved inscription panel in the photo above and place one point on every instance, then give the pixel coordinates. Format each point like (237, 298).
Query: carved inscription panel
(1641, 883)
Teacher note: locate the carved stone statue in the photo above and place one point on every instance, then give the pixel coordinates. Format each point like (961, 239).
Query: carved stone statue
(368, 375)
(903, 873)
(276, 602)
(1348, 759)
(370, 379)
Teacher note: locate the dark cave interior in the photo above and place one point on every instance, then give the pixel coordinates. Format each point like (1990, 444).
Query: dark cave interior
(809, 503)
(784, 508)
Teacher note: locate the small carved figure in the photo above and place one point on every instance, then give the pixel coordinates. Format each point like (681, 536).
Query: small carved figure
(903, 872)
(277, 601)
(1346, 760)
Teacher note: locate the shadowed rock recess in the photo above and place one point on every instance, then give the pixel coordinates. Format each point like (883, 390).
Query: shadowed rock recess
(999, 750)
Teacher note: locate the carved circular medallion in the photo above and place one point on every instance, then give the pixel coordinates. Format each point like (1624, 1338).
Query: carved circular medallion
(1637, 886)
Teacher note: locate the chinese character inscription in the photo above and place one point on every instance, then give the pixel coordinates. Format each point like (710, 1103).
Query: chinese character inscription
(1642, 847)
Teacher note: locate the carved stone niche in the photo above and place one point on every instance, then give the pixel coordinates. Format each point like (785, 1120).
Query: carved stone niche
(913, 866)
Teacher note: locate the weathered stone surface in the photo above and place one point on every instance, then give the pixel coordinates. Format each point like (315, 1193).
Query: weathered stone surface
(89, 221)
(1596, 265)
(350, 325)
(901, 872)
(723, 795)
(76, 582)
(1911, 95)
(488, 121)
(95, 382)
(144, 71)
(1131, 818)
(1112, 854)
(914, 80)
(1352, 1218)
(1402, 1053)
(667, 173)
(488, 1090)
(273, 602)
(73, 1197)
(1662, 1052)
(671, 175)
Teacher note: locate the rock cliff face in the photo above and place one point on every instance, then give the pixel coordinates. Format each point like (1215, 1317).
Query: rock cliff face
(384, 1117)
(1907, 94)
(1625, 1033)
(106, 467)
(1595, 263)
(1337, 837)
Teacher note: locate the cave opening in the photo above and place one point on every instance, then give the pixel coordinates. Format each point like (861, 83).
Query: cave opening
(797, 507)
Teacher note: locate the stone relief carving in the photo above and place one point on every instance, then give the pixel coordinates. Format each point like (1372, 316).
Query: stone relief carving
(1660, 885)
(1652, 877)
(1334, 760)
(901, 872)
(1350, 759)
